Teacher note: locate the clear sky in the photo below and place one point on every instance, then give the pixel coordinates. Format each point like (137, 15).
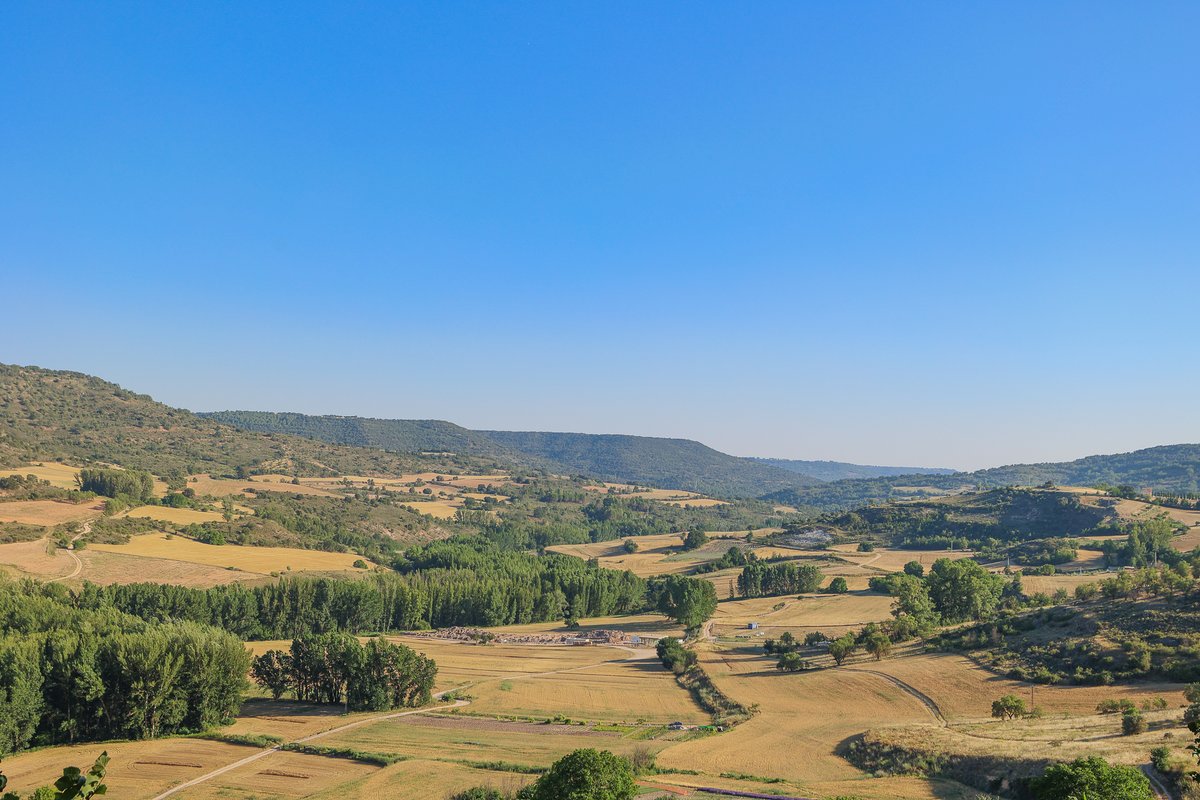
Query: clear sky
(944, 234)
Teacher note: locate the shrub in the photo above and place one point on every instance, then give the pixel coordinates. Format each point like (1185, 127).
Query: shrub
(1132, 722)
(838, 586)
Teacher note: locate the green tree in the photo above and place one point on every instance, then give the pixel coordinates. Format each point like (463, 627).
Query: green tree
(1008, 707)
(688, 601)
(843, 647)
(586, 775)
(878, 644)
(914, 568)
(791, 662)
(963, 590)
(695, 539)
(1091, 778)
(838, 586)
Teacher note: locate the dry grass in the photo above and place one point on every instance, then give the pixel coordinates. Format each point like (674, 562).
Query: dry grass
(282, 775)
(436, 508)
(227, 487)
(48, 512)
(119, 568)
(59, 475)
(179, 516)
(137, 770)
(261, 560)
(1049, 584)
(829, 613)
(32, 559)
(421, 779)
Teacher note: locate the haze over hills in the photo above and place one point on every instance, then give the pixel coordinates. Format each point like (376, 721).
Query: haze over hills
(841, 470)
(1166, 468)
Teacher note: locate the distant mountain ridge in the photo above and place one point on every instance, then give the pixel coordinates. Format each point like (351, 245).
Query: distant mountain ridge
(841, 470)
(666, 463)
(1166, 468)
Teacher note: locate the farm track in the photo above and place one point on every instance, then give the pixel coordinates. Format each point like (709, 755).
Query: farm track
(635, 656)
(87, 527)
(1160, 789)
(909, 689)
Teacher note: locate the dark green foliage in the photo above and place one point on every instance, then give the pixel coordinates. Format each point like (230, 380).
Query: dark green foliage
(480, 793)
(963, 590)
(915, 568)
(763, 579)
(694, 539)
(1132, 723)
(453, 582)
(136, 485)
(585, 775)
(674, 655)
(840, 471)
(838, 586)
(1093, 778)
(335, 668)
(1008, 707)
(688, 601)
(843, 647)
(71, 673)
(791, 662)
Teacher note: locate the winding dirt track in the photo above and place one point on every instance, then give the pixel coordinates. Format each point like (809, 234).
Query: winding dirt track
(925, 700)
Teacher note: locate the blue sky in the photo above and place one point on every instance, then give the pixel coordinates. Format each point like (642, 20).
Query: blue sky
(919, 233)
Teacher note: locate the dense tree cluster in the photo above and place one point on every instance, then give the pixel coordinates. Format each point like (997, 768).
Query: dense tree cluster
(765, 579)
(136, 485)
(673, 655)
(70, 674)
(688, 601)
(455, 582)
(336, 668)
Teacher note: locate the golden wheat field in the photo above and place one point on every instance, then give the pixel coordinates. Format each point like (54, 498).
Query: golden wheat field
(37, 559)
(422, 779)
(137, 770)
(261, 560)
(179, 516)
(825, 612)
(61, 475)
(49, 512)
(227, 487)
(281, 775)
(1049, 584)
(106, 568)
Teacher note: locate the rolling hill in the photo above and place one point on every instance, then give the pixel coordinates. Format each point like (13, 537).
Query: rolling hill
(1173, 468)
(664, 463)
(48, 414)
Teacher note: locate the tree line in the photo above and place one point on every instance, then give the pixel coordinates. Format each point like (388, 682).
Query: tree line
(72, 674)
(454, 582)
(336, 668)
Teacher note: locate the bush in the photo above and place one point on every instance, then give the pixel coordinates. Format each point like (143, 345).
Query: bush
(1160, 757)
(585, 775)
(1092, 778)
(838, 586)
(1132, 722)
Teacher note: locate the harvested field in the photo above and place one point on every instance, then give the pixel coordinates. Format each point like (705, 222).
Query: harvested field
(1049, 584)
(422, 779)
(626, 691)
(463, 738)
(800, 724)
(49, 512)
(261, 560)
(32, 559)
(111, 568)
(436, 508)
(226, 487)
(59, 475)
(832, 613)
(281, 775)
(137, 771)
(887, 559)
(179, 516)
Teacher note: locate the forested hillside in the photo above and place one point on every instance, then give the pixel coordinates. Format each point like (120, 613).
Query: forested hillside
(840, 470)
(1173, 468)
(666, 463)
(669, 463)
(47, 414)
